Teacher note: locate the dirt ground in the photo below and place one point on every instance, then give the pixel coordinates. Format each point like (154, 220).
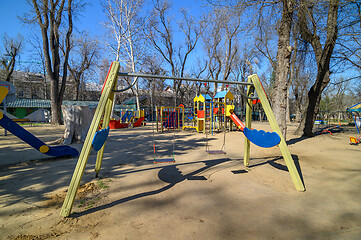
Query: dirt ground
(199, 197)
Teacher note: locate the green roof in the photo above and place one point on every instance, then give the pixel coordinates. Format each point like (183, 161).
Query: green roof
(29, 103)
(45, 103)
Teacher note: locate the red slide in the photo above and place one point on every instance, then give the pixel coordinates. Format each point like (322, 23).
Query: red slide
(238, 122)
(138, 123)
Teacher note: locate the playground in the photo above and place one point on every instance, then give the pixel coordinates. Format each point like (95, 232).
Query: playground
(200, 196)
(181, 176)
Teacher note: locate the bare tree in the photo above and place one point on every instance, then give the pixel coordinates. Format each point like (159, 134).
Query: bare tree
(264, 11)
(347, 53)
(54, 18)
(153, 65)
(265, 39)
(221, 42)
(161, 36)
(127, 19)
(85, 54)
(310, 32)
(39, 60)
(212, 42)
(242, 69)
(280, 63)
(12, 48)
(103, 67)
(300, 84)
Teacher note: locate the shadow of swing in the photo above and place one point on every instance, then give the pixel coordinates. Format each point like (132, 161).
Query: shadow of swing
(169, 174)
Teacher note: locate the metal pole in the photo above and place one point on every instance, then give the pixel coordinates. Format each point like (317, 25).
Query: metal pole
(5, 131)
(180, 78)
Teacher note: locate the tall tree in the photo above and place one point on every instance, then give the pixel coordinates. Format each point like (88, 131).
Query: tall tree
(221, 42)
(54, 18)
(266, 11)
(280, 95)
(126, 20)
(161, 36)
(310, 32)
(12, 48)
(86, 52)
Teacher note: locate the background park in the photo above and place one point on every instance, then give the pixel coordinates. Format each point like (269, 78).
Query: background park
(57, 55)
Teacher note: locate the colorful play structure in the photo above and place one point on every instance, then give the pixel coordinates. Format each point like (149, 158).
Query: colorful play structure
(208, 114)
(20, 132)
(97, 138)
(355, 111)
(128, 118)
(169, 117)
(211, 114)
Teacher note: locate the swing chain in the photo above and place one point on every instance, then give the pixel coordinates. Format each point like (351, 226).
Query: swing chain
(223, 148)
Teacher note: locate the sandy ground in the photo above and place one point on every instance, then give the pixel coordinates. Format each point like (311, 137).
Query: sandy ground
(199, 197)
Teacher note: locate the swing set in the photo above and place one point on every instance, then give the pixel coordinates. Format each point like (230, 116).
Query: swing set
(169, 118)
(96, 138)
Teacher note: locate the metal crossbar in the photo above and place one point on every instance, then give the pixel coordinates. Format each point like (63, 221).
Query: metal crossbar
(142, 75)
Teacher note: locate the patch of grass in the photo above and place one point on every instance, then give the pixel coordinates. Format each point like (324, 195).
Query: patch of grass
(102, 185)
(89, 206)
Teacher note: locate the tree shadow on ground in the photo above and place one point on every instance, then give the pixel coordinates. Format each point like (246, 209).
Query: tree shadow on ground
(295, 140)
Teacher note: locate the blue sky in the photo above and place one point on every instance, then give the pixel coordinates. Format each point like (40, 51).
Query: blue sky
(9, 12)
(89, 20)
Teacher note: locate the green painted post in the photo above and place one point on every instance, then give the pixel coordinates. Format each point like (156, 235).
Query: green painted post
(283, 145)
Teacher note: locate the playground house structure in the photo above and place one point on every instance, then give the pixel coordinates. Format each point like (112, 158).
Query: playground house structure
(207, 115)
(96, 138)
(212, 114)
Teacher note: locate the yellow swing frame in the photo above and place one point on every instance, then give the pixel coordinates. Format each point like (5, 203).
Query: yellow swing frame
(104, 108)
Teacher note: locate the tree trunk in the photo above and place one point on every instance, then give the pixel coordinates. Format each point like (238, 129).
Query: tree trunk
(55, 105)
(323, 57)
(283, 65)
(314, 98)
(77, 120)
(51, 17)
(77, 90)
